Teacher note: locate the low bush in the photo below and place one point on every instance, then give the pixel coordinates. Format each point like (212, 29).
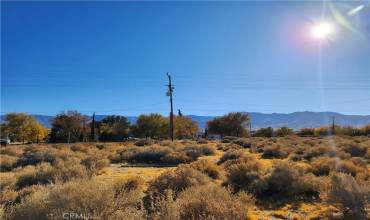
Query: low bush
(7, 181)
(202, 141)
(231, 155)
(243, 142)
(355, 150)
(246, 175)
(289, 181)
(144, 142)
(7, 162)
(274, 152)
(348, 196)
(94, 163)
(30, 175)
(8, 197)
(36, 154)
(175, 181)
(164, 155)
(93, 199)
(212, 202)
(207, 167)
(14, 151)
(70, 169)
(323, 166)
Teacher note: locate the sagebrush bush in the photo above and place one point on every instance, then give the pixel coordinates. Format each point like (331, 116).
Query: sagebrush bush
(211, 202)
(350, 197)
(355, 150)
(70, 169)
(7, 181)
(14, 151)
(31, 175)
(177, 180)
(245, 175)
(202, 141)
(7, 162)
(95, 163)
(323, 166)
(231, 155)
(91, 198)
(287, 180)
(274, 152)
(8, 197)
(164, 155)
(36, 154)
(243, 142)
(207, 167)
(144, 142)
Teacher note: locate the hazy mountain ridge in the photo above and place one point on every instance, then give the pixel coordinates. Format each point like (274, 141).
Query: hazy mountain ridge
(295, 120)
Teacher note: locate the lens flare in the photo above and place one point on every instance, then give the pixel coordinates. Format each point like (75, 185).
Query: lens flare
(322, 30)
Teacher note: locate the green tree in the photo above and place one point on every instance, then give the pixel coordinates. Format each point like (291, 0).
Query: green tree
(232, 124)
(69, 126)
(23, 127)
(185, 127)
(283, 131)
(113, 128)
(306, 132)
(264, 132)
(153, 126)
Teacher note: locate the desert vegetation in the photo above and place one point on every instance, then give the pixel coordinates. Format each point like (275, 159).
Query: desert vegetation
(234, 178)
(320, 173)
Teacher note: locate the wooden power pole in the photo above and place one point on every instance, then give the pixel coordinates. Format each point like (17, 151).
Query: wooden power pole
(92, 132)
(169, 93)
(333, 126)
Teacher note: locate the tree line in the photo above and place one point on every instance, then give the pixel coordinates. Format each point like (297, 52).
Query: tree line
(73, 126)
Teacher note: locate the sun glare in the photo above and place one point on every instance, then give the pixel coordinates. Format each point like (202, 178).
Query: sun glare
(322, 30)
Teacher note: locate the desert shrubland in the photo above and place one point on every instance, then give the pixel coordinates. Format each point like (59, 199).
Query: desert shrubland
(234, 178)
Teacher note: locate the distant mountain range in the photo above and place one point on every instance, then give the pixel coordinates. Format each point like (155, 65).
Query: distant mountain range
(295, 120)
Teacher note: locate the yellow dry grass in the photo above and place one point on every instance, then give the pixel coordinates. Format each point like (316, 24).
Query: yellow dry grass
(117, 172)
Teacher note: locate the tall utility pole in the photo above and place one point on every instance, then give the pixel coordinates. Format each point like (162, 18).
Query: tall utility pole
(169, 93)
(333, 125)
(92, 134)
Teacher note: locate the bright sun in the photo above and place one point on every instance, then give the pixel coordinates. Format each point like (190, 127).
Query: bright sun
(322, 30)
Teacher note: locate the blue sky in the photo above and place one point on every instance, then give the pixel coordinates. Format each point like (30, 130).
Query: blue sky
(112, 57)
